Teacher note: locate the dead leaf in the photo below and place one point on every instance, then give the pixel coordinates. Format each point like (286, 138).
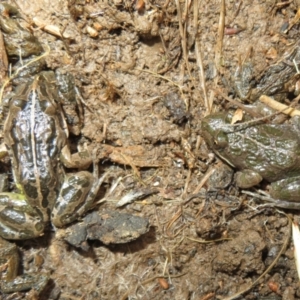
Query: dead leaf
(238, 116)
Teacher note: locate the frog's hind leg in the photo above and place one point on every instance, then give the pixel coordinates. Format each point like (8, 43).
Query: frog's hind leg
(18, 220)
(25, 282)
(76, 197)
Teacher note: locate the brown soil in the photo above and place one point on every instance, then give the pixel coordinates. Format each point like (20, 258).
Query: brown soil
(143, 102)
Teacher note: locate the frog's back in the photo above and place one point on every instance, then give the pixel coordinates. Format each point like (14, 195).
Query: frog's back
(34, 136)
(271, 150)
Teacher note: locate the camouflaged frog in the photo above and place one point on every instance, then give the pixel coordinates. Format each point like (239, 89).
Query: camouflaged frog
(259, 151)
(36, 137)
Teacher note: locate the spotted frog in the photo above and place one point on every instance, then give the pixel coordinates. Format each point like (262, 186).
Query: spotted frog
(277, 80)
(259, 151)
(18, 40)
(35, 134)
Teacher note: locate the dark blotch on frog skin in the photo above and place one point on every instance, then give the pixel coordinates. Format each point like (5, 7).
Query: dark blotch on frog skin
(30, 190)
(12, 216)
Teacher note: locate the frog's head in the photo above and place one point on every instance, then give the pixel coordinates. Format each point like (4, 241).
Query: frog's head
(213, 131)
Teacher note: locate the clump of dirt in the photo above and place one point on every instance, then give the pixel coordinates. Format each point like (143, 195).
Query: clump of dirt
(147, 72)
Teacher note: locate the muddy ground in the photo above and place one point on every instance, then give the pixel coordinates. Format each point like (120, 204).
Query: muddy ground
(138, 67)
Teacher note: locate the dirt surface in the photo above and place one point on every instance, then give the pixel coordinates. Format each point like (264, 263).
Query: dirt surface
(137, 66)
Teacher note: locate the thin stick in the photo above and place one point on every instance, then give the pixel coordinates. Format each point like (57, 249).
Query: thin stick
(204, 179)
(3, 59)
(199, 59)
(183, 37)
(163, 77)
(219, 45)
(291, 111)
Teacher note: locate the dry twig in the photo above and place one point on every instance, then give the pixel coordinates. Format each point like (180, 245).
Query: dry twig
(199, 59)
(183, 37)
(219, 44)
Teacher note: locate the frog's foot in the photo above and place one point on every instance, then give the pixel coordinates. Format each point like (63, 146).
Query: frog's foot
(18, 220)
(247, 178)
(25, 282)
(273, 202)
(80, 159)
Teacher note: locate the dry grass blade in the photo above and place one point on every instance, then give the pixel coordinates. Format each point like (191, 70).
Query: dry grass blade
(199, 58)
(183, 37)
(173, 220)
(279, 106)
(3, 59)
(296, 240)
(201, 241)
(294, 21)
(208, 106)
(204, 179)
(165, 78)
(219, 44)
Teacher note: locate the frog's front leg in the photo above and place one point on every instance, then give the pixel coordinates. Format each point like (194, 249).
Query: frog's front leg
(77, 160)
(247, 178)
(76, 196)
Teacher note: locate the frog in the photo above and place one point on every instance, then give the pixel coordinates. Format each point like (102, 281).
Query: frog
(277, 80)
(40, 115)
(41, 111)
(36, 136)
(19, 41)
(259, 151)
(24, 51)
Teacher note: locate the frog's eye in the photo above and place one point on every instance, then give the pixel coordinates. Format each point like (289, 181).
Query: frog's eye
(220, 141)
(48, 107)
(18, 103)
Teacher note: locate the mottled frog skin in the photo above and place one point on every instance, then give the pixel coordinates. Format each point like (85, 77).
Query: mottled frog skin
(10, 280)
(258, 151)
(36, 135)
(40, 113)
(274, 80)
